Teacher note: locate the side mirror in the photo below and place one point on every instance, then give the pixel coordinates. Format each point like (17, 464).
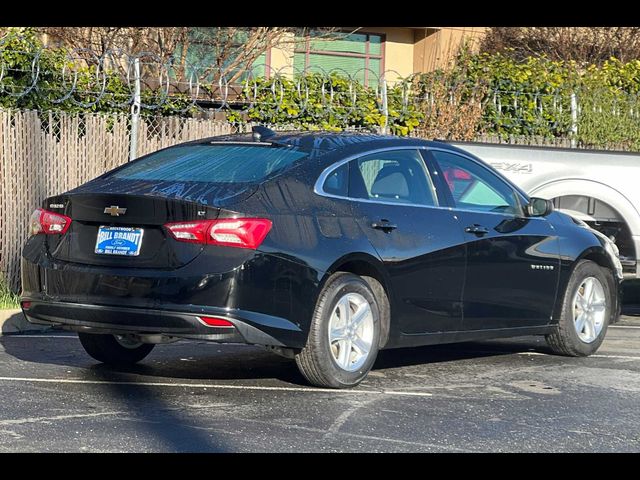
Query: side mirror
(539, 207)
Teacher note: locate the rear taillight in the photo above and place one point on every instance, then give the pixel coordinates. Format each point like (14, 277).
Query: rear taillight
(44, 221)
(239, 232)
(230, 232)
(192, 232)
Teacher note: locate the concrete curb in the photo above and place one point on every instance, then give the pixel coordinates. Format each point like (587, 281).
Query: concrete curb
(13, 321)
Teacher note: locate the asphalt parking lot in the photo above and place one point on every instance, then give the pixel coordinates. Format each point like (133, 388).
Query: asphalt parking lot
(499, 395)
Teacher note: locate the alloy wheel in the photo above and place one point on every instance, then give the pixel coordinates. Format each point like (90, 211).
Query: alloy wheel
(351, 331)
(589, 309)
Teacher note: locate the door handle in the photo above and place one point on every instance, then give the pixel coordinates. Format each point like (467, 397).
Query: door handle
(384, 225)
(476, 229)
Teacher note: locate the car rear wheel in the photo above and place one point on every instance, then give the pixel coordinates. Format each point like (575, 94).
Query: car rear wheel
(344, 336)
(586, 312)
(115, 349)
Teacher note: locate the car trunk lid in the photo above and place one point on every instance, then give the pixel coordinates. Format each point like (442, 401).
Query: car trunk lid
(139, 214)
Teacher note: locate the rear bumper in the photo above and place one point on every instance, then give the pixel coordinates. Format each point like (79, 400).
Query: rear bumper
(269, 299)
(248, 327)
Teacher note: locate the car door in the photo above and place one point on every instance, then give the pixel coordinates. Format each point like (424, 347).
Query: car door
(421, 245)
(512, 260)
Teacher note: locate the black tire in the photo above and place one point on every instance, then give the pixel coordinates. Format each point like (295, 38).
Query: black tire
(315, 360)
(565, 340)
(107, 349)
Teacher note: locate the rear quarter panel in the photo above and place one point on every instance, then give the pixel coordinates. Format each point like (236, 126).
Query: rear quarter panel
(310, 233)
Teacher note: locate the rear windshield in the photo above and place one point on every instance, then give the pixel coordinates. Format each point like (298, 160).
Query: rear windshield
(212, 164)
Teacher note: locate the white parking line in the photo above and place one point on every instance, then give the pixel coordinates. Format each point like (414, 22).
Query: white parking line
(629, 357)
(624, 326)
(415, 394)
(211, 385)
(506, 352)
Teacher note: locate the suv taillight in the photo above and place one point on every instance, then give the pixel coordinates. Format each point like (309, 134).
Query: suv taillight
(230, 232)
(44, 221)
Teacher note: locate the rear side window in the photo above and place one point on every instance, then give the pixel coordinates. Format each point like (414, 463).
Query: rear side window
(397, 176)
(212, 164)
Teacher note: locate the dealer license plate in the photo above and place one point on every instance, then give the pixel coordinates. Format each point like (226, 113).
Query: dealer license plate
(119, 241)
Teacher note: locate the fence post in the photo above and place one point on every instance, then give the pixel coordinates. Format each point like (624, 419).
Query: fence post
(574, 120)
(385, 106)
(135, 111)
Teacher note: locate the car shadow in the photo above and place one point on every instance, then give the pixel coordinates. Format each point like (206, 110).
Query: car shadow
(209, 361)
(15, 322)
(172, 427)
(157, 417)
(252, 364)
(432, 354)
(180, 361)
(631, 310)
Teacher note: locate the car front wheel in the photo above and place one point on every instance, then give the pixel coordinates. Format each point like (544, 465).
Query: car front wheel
(344, 336)
(586, 311)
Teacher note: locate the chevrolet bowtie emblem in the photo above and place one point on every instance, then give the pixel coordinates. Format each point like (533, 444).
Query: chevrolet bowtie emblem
(115, 211)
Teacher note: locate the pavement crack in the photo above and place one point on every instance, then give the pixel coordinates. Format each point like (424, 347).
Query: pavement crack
(22, 421)
(344, 416)
(12, 434)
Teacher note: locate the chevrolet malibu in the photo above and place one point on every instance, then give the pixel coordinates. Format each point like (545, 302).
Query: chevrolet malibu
(322, 247)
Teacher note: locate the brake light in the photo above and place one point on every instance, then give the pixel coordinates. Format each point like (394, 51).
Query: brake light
(239, 232)
(44, 221)
(230, 232)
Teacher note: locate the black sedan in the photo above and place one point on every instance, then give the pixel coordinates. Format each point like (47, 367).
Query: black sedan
(322, 247)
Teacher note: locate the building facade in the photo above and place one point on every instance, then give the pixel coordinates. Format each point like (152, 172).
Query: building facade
(363, 53)
(368, 52)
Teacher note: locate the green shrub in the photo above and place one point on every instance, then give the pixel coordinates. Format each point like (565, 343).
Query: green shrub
(533, 97)
(56, 73)
(8, 299)
(316, 102)
(482, 93)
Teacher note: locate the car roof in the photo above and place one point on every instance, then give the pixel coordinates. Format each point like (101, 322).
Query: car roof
(331, 146)
(321, 143)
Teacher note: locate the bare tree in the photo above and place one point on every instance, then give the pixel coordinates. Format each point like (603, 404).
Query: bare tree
(215, 51)
(586, 45)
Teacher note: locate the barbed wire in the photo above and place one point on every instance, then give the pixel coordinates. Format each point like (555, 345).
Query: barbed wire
(85, 79)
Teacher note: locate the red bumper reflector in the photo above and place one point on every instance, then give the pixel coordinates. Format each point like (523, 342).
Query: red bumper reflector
(26, 305)
(216, 322)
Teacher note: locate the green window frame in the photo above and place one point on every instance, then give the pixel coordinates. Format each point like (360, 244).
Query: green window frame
(359, 52)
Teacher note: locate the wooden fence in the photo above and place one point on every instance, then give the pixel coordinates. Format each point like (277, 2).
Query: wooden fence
(43, 154)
